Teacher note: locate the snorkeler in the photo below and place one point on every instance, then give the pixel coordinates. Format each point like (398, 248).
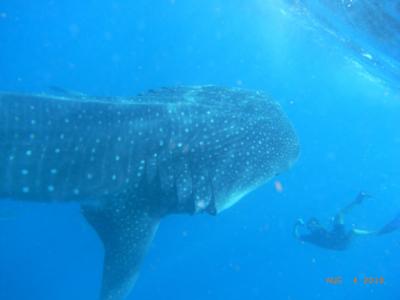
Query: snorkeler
(338, 238)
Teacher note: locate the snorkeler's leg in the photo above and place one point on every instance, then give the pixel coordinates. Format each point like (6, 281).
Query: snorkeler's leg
(358, 200)
(339, 217)
(363, 232)
(391, 226)
(388, 228)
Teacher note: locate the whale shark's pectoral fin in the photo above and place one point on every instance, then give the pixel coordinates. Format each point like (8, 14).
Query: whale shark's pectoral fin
(126, 233)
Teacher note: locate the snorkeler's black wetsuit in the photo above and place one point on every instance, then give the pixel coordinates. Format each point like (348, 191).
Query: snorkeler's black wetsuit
(336, 239)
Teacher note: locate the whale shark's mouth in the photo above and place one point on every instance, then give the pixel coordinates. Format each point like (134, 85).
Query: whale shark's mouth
(231, 201)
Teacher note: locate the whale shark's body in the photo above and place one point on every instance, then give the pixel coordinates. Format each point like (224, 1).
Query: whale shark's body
(131, 161)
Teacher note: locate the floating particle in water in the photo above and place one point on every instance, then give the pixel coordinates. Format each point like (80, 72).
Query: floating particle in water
(367, 55)
(278, 186)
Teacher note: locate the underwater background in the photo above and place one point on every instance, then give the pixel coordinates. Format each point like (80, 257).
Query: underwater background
(333, 66)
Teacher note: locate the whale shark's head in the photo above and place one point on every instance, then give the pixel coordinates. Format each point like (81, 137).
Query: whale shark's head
(259, 143)
(236, 140)
(264, 147)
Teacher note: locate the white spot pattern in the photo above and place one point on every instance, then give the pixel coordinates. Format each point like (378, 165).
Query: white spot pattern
(209, 143)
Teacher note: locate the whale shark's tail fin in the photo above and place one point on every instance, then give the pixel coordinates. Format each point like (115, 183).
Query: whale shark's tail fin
(391, 226)
(126, 233)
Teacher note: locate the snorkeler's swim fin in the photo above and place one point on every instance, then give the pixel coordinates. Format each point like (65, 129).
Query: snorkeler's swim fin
(391, 226)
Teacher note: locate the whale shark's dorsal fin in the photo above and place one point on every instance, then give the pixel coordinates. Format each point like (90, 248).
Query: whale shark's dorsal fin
(126, 230)
(65, 92)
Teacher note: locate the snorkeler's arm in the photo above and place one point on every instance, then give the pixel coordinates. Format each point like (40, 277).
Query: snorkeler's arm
(299, 223)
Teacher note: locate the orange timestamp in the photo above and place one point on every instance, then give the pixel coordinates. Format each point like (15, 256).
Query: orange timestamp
(334, 280)
(337, 280)
(371, 280)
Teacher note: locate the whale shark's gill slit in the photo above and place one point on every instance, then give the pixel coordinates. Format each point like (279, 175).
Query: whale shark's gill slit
(189, 173)
(175, 192)
(211, 208)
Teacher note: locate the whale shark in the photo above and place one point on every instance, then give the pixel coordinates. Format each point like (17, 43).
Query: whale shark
(131, 161)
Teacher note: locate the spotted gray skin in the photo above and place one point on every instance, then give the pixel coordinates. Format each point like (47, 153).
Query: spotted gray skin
(131, 161)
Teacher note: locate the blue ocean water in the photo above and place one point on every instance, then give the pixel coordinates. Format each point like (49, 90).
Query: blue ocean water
(337, 79)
